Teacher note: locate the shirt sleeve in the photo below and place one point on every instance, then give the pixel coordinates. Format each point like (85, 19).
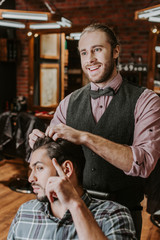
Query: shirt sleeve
(146, 141)
(61, 112)
(119, 225)
(11, 233)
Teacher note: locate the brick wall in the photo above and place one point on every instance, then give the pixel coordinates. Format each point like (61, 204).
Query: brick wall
(133, 35)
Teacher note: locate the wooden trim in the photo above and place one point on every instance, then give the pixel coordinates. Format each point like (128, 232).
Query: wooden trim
(151, 60)
(64, 30)
(37, 108)
(31, 73)
(62, 63)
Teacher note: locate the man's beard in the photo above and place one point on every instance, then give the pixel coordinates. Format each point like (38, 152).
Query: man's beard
(43, 199)
(106, 75)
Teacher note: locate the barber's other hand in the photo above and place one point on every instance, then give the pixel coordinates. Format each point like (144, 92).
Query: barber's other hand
(34, 135)
(61, 187)
(63, 131)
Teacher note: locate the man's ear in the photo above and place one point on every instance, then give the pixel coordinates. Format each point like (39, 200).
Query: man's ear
(116, 52)
(67, 167)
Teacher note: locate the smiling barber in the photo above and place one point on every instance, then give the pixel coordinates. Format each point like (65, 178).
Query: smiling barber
(117, 123)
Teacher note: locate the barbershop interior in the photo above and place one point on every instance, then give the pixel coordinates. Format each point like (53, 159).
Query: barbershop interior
(40, 65)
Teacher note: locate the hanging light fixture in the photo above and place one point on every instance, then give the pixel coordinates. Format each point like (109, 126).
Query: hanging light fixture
(12, 24)
(151, 14)
(25, 15)
(47, 20)
(154, 19)
(51, 25)
(64, 22)
(36, 26)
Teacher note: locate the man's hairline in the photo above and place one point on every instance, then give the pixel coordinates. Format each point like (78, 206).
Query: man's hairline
(45, 148)
(39, 148)
(95, 30)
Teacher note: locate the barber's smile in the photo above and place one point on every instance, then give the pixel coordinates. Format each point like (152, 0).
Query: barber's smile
(93, 68)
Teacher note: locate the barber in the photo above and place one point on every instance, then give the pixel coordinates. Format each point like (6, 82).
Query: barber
(117, 124)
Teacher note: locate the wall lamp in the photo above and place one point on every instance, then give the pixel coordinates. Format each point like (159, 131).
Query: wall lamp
(154, 30)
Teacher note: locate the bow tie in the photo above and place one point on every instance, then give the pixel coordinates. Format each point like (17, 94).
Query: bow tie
(101, 92)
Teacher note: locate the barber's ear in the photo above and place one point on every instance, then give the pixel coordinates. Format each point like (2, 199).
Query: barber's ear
(116, 52)
(67, 167)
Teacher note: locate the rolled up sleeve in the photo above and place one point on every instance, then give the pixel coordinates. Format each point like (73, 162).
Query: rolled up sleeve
(146, 142)
(61, 112)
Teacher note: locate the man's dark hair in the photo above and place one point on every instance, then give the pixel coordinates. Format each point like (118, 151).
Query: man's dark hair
(112, 39)
(63, 150)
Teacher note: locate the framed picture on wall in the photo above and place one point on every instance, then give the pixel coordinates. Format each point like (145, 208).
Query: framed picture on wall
(49, 82)
(50, 46)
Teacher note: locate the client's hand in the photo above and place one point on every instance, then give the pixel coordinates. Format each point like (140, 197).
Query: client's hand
(61, 187)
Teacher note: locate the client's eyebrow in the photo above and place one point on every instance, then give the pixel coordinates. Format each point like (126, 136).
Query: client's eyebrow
(34, 164)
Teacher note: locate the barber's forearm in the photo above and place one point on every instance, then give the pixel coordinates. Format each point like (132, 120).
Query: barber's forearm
(85, 224)
(117, 154)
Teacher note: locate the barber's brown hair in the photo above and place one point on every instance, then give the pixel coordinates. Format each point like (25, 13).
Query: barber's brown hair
(111, 36)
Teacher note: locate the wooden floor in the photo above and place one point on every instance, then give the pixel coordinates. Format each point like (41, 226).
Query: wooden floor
(11, 200)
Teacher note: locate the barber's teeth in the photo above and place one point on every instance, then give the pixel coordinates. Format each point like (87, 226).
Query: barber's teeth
(93, 68)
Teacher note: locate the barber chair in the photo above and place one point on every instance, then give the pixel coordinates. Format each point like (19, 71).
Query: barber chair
(6, 134)
(155, 218)
(14, 135)
(99, 195)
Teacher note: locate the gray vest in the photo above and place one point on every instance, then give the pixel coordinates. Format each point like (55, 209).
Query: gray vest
(116, 124)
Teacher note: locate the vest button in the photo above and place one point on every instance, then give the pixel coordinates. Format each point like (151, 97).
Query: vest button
(93, 169)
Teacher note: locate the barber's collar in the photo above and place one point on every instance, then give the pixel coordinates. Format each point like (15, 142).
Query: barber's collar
(114, 84)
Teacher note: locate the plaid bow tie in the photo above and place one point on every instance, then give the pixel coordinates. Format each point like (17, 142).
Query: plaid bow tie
(101, 92)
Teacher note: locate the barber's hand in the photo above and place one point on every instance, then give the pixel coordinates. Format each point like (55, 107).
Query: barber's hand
(34, 135)
(63, 131)
(61, 187)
